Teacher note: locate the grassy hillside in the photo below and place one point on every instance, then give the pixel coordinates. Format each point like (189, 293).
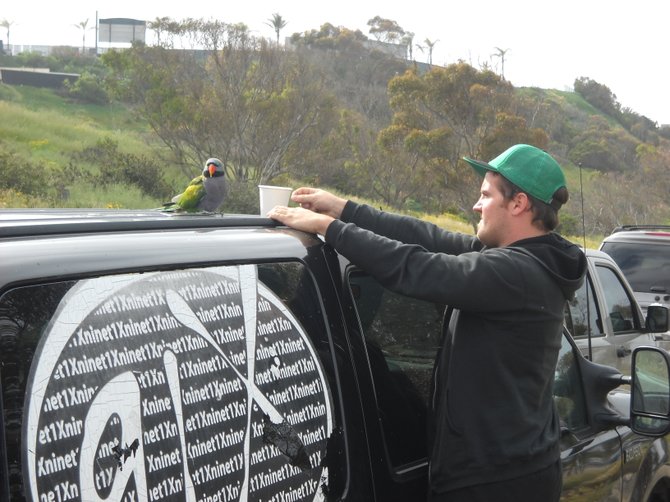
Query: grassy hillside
(49, 131)
(39, 123)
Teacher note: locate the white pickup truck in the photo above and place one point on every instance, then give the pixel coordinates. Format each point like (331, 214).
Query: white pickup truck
(605, 319)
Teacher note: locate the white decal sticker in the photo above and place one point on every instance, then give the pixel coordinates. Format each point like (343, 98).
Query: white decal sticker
(196, 385)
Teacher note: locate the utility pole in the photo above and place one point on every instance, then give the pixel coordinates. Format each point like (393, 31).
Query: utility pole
(96, 32)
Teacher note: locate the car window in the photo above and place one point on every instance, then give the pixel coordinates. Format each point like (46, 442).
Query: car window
(582, 316)
(646, 266)
(619, 305)
(109, 384)
(24, 314)
(401, 339)
(568, 392)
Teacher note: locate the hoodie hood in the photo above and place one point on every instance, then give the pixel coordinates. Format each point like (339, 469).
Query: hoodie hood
(563, 260)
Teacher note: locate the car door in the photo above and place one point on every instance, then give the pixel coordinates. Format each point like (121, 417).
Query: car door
(394, 341)
(591, 459)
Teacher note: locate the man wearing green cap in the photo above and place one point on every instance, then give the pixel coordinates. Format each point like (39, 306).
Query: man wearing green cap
(494, 427)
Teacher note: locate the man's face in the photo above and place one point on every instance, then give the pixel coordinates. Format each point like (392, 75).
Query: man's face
(493, 209)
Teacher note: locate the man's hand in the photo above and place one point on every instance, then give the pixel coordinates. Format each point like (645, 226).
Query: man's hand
(319, 201)
(301, 219)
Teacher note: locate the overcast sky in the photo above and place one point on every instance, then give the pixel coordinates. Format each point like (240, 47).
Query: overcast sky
(621, 44)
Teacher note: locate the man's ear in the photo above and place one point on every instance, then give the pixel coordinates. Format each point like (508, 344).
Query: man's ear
(520, 203)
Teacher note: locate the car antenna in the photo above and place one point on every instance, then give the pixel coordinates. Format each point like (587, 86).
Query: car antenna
(588, 304)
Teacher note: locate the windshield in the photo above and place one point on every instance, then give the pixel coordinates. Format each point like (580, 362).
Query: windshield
(646, 266)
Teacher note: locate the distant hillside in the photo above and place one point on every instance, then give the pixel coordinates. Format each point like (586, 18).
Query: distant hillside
(587, 135)
(105, 155)
(57, 152)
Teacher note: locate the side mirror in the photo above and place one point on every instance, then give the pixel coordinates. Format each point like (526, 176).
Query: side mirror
(650, 391)
(657, 319)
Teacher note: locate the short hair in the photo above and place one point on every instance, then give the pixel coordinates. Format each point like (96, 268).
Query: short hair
(543, 214)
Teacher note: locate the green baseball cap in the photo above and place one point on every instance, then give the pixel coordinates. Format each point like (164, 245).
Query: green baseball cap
(533, 170)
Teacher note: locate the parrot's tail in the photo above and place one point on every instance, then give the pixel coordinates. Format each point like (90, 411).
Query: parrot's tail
(168, 207)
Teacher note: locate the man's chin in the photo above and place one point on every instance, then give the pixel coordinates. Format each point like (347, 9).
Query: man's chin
(484, 238)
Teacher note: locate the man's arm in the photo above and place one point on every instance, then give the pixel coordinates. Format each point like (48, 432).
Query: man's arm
(469, 281)
(317, 210)
(326, 207)
(319, 201)
(409, 230)
(302, 219)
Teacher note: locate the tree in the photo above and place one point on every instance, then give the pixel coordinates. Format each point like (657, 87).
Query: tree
(600, 146)
(598, 95)
(7, 25)
(385, 30)
(373, 165)
(641, 127)
(254, 107)
(544, 109)
(610, 199)
(430, 45)
(408, 40)
(83, 25)
(510, 129)
(158, 25)
(608, 203)
(448, 113)
(277, 23)
(500, 53)
(357, 73)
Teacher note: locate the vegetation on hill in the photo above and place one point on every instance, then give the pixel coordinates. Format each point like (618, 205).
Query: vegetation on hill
(330, 109)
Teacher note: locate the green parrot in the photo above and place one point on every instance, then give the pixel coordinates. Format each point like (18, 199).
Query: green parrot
(204, 193)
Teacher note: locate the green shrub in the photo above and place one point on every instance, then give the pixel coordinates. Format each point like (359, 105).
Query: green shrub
(242, 198)
(16, 173)
(88, 88)
(32, 60)
(569, 224)
(11, 198)
(115, 167)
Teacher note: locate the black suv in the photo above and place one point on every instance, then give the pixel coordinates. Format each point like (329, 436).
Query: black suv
(643, 254)
(146, 356)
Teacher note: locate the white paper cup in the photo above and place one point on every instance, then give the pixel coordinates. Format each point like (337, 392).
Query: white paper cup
(272, 196)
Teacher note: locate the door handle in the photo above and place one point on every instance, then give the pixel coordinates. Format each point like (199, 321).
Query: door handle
(623, 351)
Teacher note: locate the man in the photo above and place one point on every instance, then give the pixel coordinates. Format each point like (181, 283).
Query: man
(494, 426)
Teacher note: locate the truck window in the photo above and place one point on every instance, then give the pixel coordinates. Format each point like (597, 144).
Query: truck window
(143, 384)
(619, 304)
(645, 266)
(401, 337)
(581, 314)
(568, 392)
(24, 314)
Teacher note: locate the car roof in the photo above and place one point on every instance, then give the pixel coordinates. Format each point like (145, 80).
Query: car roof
(594, 253)
(39, 244)
(639, 233)
(34, 222)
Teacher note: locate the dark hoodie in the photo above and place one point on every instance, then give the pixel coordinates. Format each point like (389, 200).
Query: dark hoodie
(493, 414)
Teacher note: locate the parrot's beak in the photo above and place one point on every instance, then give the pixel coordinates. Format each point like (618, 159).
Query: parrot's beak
(212, 170)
